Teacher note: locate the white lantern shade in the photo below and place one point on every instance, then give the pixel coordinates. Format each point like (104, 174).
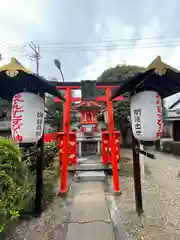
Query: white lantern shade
(146, 115)
(27, 117)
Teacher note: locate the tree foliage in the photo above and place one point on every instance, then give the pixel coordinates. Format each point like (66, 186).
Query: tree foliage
(54, 113)
(120, 71)
(121, 109)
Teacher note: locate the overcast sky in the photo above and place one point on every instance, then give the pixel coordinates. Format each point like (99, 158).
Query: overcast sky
(63, 28)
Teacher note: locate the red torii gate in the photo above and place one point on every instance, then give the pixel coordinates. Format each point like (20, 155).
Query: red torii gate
(67, 87)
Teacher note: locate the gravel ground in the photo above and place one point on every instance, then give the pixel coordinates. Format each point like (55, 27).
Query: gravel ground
(161, 200)
(52, 225)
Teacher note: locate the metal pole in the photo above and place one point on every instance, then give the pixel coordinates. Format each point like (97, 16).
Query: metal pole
(61, 74)
(36, 56)
(57, 63)
(37, 60)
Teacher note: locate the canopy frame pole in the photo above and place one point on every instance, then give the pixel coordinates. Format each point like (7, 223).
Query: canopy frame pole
(137, 175)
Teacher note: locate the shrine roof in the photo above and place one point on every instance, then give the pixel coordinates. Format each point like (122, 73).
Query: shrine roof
(15, 78)
(85, 105)
(158, 76)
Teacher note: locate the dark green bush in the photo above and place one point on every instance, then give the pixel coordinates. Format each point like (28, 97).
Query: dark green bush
(175, 148)
(16, 183)
(51, 173)
(171, 147)
(50, 151)
(166, 146)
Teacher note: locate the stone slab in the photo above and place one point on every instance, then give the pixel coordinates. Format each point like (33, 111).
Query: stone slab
(89, 203)
(91, 175)
(90, 231)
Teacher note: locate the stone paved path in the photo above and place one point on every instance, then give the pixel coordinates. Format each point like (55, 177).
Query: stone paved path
(90, 217)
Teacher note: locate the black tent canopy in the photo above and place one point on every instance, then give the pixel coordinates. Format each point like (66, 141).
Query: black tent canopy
(165, 81)
(15, 78)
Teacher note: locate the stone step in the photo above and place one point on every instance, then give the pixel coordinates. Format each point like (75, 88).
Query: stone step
(90, 167)
(90, 176)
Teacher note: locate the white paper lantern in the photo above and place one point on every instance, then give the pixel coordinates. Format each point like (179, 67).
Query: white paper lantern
(146, 115)
(27, 117)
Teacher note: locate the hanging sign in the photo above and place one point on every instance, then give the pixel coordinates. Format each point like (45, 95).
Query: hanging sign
(146, 115)
(27, 117)
(173, 114)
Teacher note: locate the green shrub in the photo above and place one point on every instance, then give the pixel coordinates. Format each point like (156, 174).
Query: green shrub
(16, 183)
(50, 151)
(50, 178)
(166, 146)
(175, 148)
(171, 147)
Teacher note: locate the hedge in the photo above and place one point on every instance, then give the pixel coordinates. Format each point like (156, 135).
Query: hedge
(171, 147)
(17, 183)
(50, 151)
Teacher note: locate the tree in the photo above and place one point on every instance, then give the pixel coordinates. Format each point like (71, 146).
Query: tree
(120, 71)
(54, 113)
(121, 109)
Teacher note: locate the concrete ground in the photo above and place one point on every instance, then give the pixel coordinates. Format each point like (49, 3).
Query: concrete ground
(90, 217)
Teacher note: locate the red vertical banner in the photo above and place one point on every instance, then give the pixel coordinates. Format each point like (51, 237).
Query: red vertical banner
(16, 117)
(72, 147)
(106, 147)
(117, 141)
(106, 157)
(60, 145)
(72, 155)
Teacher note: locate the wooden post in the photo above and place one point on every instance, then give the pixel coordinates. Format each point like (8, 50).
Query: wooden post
(112, 142)
(39, 173)
(142, 158)
(137, 176)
